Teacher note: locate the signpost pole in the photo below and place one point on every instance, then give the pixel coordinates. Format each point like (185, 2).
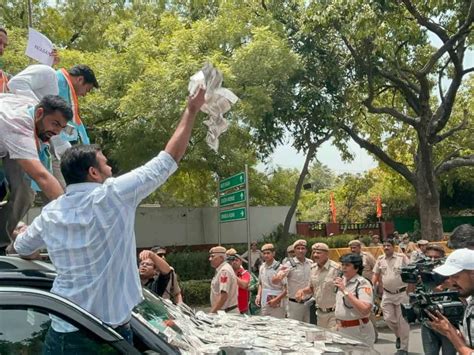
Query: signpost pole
(218, 211)
(247, 205)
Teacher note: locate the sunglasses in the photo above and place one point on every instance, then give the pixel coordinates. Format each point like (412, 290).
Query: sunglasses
(161, 254)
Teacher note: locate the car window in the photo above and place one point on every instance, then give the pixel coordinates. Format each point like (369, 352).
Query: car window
(6, 266)
(28, 330)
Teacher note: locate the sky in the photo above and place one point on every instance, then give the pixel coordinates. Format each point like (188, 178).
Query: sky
(287, 157)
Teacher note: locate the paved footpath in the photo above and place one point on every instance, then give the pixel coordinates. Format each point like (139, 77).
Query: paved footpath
(386, 342)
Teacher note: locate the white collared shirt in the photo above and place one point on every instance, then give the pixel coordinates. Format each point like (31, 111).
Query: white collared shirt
(90, 237)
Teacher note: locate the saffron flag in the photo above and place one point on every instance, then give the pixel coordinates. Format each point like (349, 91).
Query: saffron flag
(379, 206)
(333, 208)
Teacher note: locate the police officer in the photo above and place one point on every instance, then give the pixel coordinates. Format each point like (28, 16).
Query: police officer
(297, 271)
(270, 295)
(223, 284)
(368, 259)
(321, 285)
(354, 300)
(420, 252)
(387, 273)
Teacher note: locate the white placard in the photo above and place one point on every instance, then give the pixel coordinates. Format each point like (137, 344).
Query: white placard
(39, 47)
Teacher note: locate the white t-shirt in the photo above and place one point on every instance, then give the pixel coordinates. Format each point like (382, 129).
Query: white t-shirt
(17, 127)
(35, 81)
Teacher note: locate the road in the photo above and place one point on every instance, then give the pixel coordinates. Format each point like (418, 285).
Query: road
(386, 343)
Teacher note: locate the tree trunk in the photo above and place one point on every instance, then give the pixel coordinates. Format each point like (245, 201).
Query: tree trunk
(427, 194)
(299, 186)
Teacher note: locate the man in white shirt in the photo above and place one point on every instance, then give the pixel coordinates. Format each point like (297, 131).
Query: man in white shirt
(89, 231)
(23, 124)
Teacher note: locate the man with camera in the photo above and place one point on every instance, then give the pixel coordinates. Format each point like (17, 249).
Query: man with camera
(432, 340)
(459, 267)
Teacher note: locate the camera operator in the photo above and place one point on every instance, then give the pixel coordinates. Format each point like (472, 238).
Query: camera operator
(459, 267)
(462, 237)
(432, 340)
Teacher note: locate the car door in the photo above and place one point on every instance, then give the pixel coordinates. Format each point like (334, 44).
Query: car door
(25, 326)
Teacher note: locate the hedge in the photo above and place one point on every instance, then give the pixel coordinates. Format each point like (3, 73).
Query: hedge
(196, 292)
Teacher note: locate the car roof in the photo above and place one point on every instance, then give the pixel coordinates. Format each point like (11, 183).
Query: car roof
(15, 262)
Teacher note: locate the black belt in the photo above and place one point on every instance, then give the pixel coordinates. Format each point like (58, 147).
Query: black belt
(400, 290)
(296, 301)
(228, 309)
(326, 310)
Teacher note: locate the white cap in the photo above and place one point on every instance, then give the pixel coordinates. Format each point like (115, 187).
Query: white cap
(458, 260)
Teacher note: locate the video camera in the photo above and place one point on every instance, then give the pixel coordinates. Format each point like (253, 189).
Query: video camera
(423, 269)
(447, 303)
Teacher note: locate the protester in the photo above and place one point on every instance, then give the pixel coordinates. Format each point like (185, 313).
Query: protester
(38, 80)
(154, 272)
(172, 290)
(243, 279)
(459, 267)
(224, 289)
(89, 231)
(3, 45)
(23, 123)
(270, 295)
(368, 259)
(321, 285)
(297, 271)
(354, 300)
(395, 292)
(254, 256)
(462, 237)
(419, 253)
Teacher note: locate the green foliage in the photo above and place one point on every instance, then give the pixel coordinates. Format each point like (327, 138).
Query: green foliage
(196, 292)
(191, 265)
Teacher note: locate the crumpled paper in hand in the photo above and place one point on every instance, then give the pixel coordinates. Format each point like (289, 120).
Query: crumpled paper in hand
(219, 100)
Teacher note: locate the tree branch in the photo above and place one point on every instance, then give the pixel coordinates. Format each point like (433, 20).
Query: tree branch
(454, 163)
(426, 22)
(440, 137)
(440, 78)
(392, 112)
(468, 70)
(379, 153)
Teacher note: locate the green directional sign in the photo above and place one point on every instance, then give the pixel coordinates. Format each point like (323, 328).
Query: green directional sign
(234, 197)
(233, 181)
(235, 214)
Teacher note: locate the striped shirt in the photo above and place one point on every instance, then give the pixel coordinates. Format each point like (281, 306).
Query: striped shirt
(89, 234)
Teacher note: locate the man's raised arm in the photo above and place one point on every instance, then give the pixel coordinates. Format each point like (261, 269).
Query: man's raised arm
(179, 140)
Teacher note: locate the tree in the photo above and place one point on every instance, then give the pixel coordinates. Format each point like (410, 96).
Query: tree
(393, 77)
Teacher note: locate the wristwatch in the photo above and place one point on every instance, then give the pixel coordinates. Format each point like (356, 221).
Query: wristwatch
(345, 293)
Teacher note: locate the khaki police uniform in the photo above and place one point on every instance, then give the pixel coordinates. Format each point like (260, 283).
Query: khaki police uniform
(269, 288)
(225, 280)
(298, 275)
(368, 263)
(394, 294)
(322, 284)
(349, 320)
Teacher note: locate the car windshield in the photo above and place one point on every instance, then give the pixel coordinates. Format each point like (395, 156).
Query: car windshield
(198, 332)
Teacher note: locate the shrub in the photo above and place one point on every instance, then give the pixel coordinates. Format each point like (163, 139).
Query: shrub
(191, 265)
(196, 292)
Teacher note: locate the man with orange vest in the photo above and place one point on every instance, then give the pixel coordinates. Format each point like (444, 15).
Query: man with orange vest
(39, 80)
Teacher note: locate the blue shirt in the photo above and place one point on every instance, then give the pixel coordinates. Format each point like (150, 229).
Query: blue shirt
(89, 234)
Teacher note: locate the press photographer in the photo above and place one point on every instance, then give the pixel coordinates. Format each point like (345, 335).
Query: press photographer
(459, 267)
(430, 295)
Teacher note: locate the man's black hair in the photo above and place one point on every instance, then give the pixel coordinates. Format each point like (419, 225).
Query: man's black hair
(389, 241)
(76, 161)
(3, 30)
(53, 103)
(462, 237)
(86, 72)
(354, 259)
